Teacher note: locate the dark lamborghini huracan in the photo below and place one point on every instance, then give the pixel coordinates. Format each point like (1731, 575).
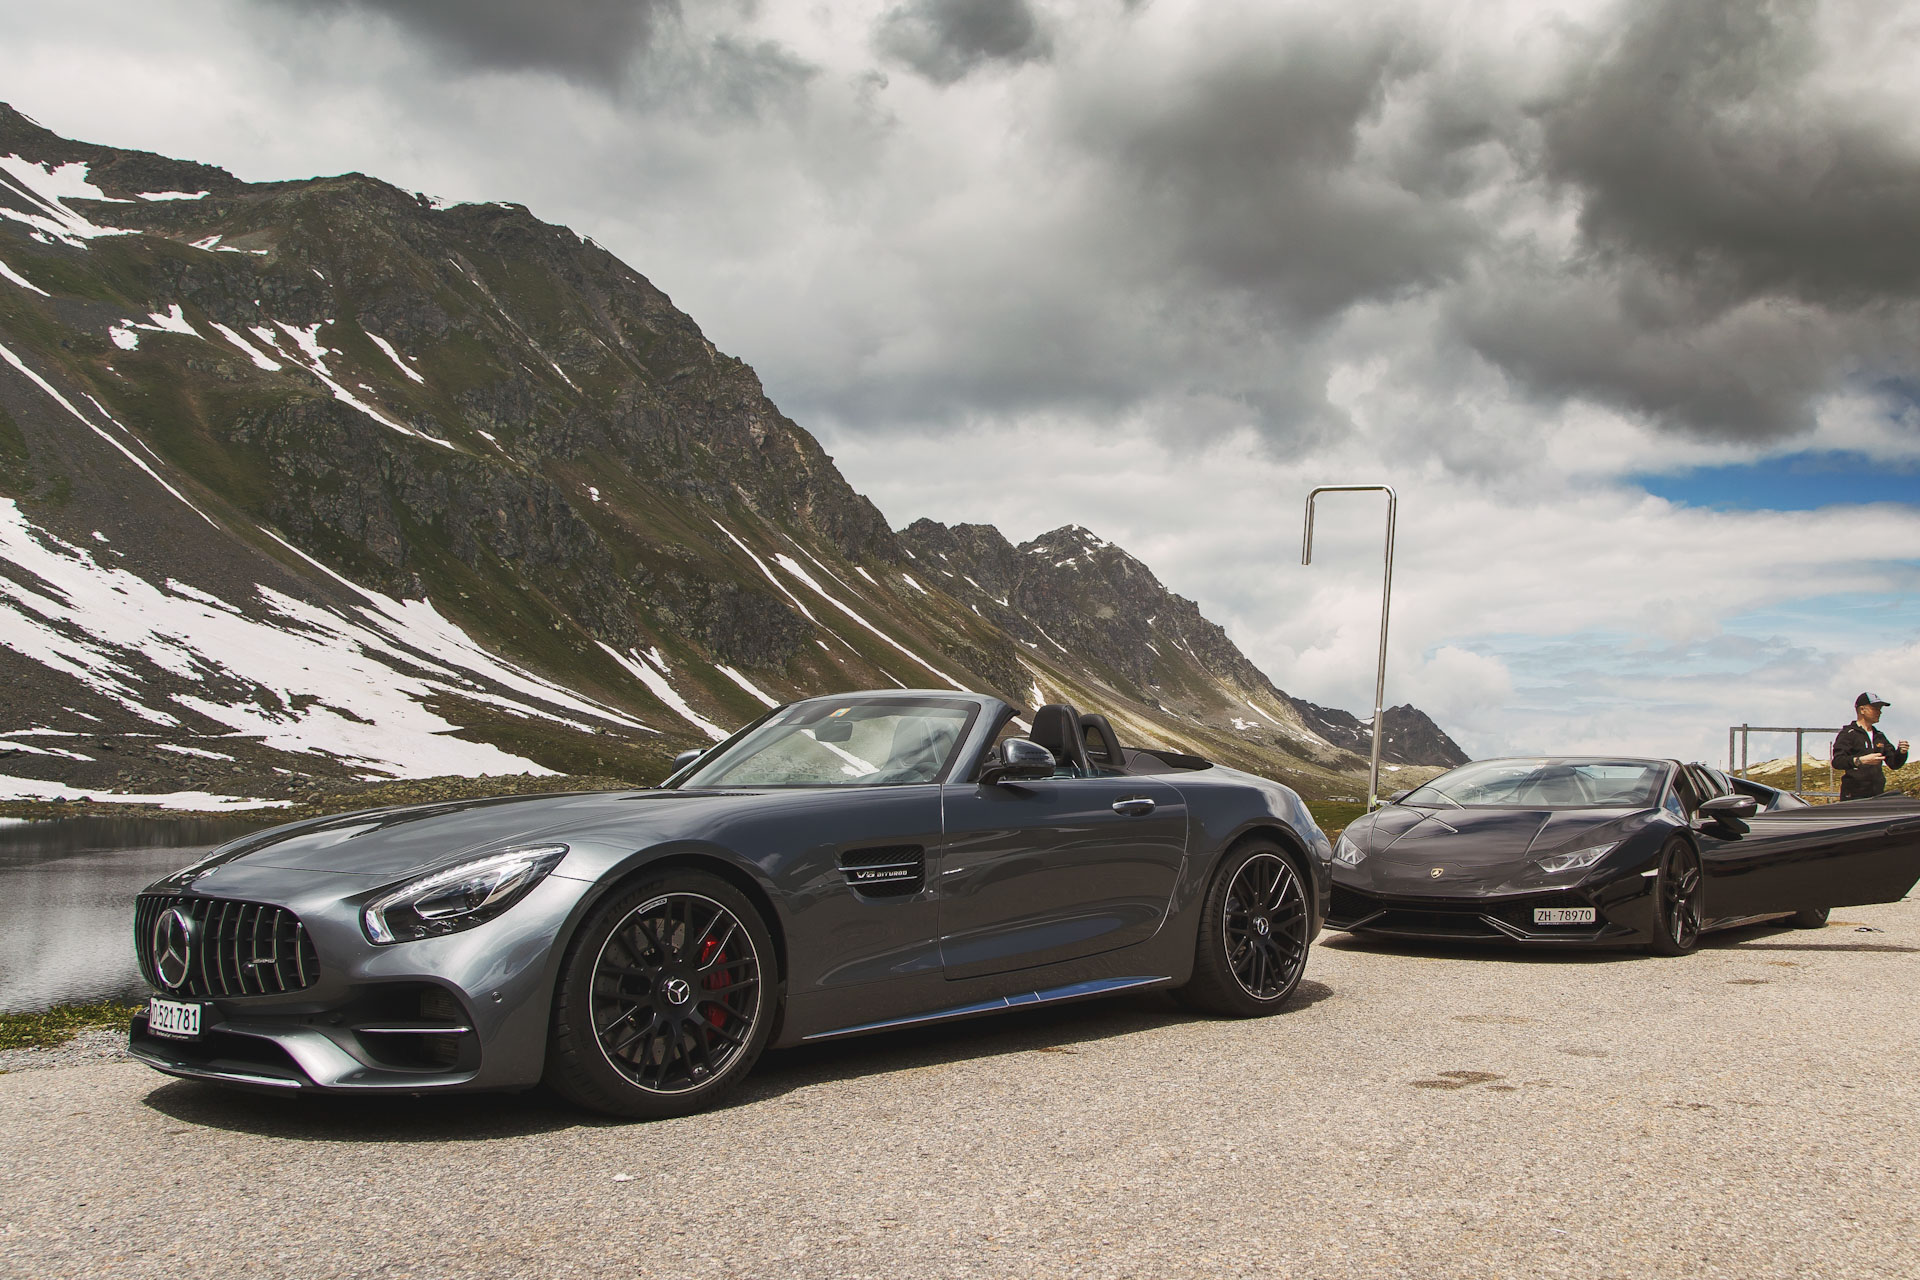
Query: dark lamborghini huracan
(1605, 852)
(842, 865)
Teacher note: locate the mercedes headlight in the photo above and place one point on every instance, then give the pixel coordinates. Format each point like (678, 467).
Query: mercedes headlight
(1578, 860)
(1347, 853)
(459, 897)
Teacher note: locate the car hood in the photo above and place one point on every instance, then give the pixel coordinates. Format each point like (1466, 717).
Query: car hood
(389, 843)
(1407, 845)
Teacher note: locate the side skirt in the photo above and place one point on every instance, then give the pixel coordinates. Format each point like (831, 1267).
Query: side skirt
(999, 1004)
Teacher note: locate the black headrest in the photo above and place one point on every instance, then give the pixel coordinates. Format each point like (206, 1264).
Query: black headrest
(1102, 743)
(1056, 727)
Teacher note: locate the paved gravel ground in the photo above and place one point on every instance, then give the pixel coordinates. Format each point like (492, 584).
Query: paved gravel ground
(1748, 1111)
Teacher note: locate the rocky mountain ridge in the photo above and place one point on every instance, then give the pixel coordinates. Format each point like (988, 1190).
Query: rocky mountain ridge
(309, 481)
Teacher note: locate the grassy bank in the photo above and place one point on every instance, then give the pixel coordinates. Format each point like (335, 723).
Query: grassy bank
(53, 1027)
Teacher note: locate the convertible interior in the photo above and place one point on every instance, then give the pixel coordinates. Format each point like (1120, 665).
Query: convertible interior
(1084, 745)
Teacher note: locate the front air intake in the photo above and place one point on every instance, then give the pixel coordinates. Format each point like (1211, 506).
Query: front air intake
(215, 949)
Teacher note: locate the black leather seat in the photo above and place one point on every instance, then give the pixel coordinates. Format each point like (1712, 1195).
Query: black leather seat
(1056, 727)
(1102, 743)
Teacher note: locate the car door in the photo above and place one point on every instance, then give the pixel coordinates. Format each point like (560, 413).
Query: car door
(1034, 873)
(1819, 856)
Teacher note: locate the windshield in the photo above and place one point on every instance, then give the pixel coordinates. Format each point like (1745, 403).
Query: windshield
(1546, 784)
(831, 743)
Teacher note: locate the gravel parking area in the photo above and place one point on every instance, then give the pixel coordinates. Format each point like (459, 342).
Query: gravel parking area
(1748, 1111)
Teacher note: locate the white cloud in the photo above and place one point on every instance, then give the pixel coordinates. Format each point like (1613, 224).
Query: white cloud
(1188, 259)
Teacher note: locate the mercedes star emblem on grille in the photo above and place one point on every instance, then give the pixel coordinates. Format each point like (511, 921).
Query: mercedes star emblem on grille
(172, 947)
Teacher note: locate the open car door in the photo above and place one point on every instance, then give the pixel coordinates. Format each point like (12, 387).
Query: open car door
(1836, 855)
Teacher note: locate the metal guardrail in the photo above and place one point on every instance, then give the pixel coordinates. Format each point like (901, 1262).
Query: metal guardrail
(1737, 764)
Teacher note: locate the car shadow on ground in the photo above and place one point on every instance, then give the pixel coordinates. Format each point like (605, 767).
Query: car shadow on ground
(1063, 1029)
(1473, 949)
(1753, 937)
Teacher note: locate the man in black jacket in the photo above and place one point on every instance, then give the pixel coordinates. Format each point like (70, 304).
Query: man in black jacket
(1861, 752)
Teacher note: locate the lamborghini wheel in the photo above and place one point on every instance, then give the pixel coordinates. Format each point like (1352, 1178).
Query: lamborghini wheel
(1254, 934)
(1676, 895)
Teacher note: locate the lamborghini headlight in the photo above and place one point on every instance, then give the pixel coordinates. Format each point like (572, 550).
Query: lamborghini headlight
(1347, 853)
(1578, 860)
(459, 897)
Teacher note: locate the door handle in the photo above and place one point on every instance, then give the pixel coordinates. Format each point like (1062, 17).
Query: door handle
(1134, 806)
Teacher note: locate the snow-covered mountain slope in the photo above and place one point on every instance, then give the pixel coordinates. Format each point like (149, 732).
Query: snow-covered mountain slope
(316, 480)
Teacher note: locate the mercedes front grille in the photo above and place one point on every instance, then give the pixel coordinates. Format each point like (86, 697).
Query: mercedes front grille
(234, 948)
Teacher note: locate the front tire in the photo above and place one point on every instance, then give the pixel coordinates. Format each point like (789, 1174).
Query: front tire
(665, 999)
(1254, 934)
(1676, 897)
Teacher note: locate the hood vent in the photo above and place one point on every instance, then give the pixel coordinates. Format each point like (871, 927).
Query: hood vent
(885, 871)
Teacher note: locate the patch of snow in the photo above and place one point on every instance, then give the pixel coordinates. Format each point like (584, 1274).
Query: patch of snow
(209, 244)
(746, 684)
(394, 356)
(792, 566)
(124, 337)
(863, 573)
(194, 751)
(30, 749)
(593, 493)
(49, 188)
(1049, 639)
(488, 436)
(175, 321)
(916, 586)
(259, 357)
(309, 340)
(659, 660)
(172, 195)
(30, 789)
(21, 280)
(351, 683)
(1244, 725)
(779, 586)
(66, 404)
(1257, 711)
(1039, 698)
(1156, 652)
(315, 363)
(666, 693)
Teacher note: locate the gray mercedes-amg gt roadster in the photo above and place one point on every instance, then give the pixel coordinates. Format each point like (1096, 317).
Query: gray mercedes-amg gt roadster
(842, 865)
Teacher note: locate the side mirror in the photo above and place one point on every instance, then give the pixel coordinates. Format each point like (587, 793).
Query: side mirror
(1730, 811)
(684, 759)
(1400, 795)
(1016, 760)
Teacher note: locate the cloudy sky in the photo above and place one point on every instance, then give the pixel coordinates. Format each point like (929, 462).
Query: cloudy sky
(1624, 298)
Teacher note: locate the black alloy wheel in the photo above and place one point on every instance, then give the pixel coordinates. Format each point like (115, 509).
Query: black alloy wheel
(665, 1001)
(1254, 934)
(1676, 894)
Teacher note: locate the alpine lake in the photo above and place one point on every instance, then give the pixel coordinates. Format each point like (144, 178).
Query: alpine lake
(66, 900)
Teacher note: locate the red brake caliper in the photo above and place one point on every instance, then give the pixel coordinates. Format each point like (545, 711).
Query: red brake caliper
(710, 952)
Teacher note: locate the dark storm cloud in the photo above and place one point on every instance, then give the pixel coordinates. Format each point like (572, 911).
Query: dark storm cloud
(1246, 170)
(1748, 245)
(944, 40)
(1694, 145)
(590, 40)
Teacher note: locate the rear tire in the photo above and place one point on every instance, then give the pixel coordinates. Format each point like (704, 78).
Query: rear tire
(1676, 900)
(1254, 934)
(665, 999)
(1809, 918)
